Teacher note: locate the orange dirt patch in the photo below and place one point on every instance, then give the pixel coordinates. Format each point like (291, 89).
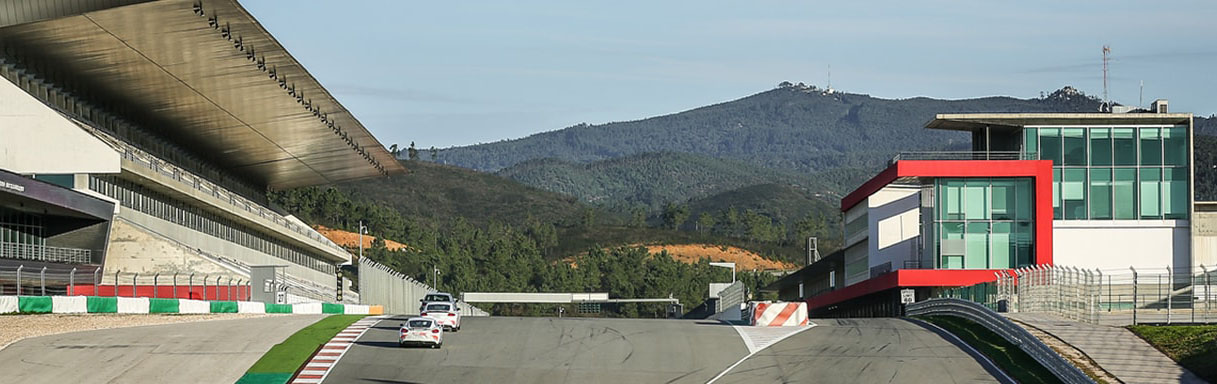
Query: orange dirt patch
(744, 260)
(351, 239)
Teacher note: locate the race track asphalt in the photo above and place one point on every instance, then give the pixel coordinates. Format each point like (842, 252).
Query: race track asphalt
(505, 350)
(213, 351)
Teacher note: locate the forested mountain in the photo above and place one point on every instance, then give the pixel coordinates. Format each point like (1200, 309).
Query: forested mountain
(792, 128)
(650, 180)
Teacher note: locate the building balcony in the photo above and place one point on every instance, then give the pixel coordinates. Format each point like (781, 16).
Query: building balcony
(963, 155)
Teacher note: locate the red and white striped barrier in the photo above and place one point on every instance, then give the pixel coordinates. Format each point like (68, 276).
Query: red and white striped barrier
(317, 368)
(768, 314)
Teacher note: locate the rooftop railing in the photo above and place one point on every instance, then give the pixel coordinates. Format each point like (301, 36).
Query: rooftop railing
(44, 253)
(964, 155)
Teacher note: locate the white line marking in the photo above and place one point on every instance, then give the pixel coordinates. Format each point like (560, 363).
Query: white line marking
(748, 343)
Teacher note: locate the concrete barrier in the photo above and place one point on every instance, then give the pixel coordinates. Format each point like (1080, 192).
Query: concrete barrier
(307, 308)
(133, 305)
(778, 314)
(69, 304)
(193, 306)
(356, 309)
(250, 307)
(8, 304)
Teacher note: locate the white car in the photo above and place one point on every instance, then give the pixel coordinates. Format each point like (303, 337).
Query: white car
(421, 331)
(446, 314)
(434, 297)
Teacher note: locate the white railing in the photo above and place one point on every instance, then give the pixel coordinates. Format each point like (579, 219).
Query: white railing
(45, 253)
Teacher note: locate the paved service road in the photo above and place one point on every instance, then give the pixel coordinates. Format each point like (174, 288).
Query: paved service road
(861, 351)
(216, 351)
(547, 350)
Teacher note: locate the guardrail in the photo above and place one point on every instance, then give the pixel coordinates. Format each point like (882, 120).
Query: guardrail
(963, 155)
(45, 253)
(1013, 333)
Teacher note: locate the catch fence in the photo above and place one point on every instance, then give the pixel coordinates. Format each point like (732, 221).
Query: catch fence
(1110, 297)
(397, 292)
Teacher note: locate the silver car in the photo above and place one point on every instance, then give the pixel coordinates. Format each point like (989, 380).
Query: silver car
(421, 331)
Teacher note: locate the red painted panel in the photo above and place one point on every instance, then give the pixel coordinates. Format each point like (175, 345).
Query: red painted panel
(906, 278)
(197, 292)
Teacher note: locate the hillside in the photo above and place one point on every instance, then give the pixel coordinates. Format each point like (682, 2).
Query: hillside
(653, 179)
(790, 128)
(442, 193)
(350, 240)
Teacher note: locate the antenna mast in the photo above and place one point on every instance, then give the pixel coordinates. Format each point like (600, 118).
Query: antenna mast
(1106, 58)
(830, 76)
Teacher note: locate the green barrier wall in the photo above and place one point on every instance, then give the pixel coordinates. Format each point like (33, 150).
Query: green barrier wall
(34, 304)
(332, 308)
(223, 307)
(98, 304)
(162, 306)
(278, 308)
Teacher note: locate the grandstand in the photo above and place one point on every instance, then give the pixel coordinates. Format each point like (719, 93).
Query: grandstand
(143, 136)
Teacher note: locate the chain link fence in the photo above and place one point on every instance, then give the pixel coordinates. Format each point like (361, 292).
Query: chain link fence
(396, 291)
(1109, 297)
(90, 281)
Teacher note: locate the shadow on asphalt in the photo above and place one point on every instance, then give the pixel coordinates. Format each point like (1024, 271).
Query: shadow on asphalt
(711, 322)
(379, 344)
(988, 365)
(389, 381)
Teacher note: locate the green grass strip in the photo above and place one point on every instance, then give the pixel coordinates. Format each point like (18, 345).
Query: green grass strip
(223, 307)
(278, 308)
(34, 304)
(265, 378)
(1016, 363)
(102, 304)
(332, 308)
(1192, 346)
(289, 355)
(162, 306)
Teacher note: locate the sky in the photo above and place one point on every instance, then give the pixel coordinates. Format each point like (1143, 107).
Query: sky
(454, 73)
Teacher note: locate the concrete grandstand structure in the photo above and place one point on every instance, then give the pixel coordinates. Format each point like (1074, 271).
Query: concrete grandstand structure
(1098, 191)
(143, 136)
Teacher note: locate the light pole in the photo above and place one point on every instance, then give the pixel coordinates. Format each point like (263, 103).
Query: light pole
(726, 265)
(435, 277)
(362, 230)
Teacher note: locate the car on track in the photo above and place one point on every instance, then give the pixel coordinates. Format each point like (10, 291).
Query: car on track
(448, 315)
(421, 331)
(435, 297)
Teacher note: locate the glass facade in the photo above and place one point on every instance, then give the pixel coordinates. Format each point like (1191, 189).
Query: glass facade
(984, 223)
(1114, 173)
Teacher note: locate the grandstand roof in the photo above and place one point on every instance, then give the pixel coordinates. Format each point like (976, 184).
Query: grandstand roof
(204, 74)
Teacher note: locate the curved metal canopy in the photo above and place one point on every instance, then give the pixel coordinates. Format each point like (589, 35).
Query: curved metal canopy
(205, 75)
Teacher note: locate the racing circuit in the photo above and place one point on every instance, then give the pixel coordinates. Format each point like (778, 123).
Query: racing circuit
(598, 350)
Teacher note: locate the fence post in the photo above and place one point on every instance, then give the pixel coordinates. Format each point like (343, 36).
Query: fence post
(174, 286)
(97, 282)
(1170, 276)
(229, 288)
(72, 282)
(19, 268)
(1191, 283)
(134, 284)
(1134, 294)
(156, 285)
(1208, 293)
(1099, 289)
(116, 283)
(190, 285)
(42, 279)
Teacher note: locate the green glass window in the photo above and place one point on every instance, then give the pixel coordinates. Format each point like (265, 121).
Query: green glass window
(976, 199)
(1100, 146)
(1074, 144)
(1174, 141)
(1174, 193)
(951, 192)
(1124, 193)
(978, 246)
(1004, 203)
(1003, 245)
(1030, 144)
(1151, 146)
(1124, 146)
(1023, 241)
(1024, 192)
(1056, 193)
(1151, 187)
(1100, 193)
(951, 245)
(1050, 145)
(1073, 194)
